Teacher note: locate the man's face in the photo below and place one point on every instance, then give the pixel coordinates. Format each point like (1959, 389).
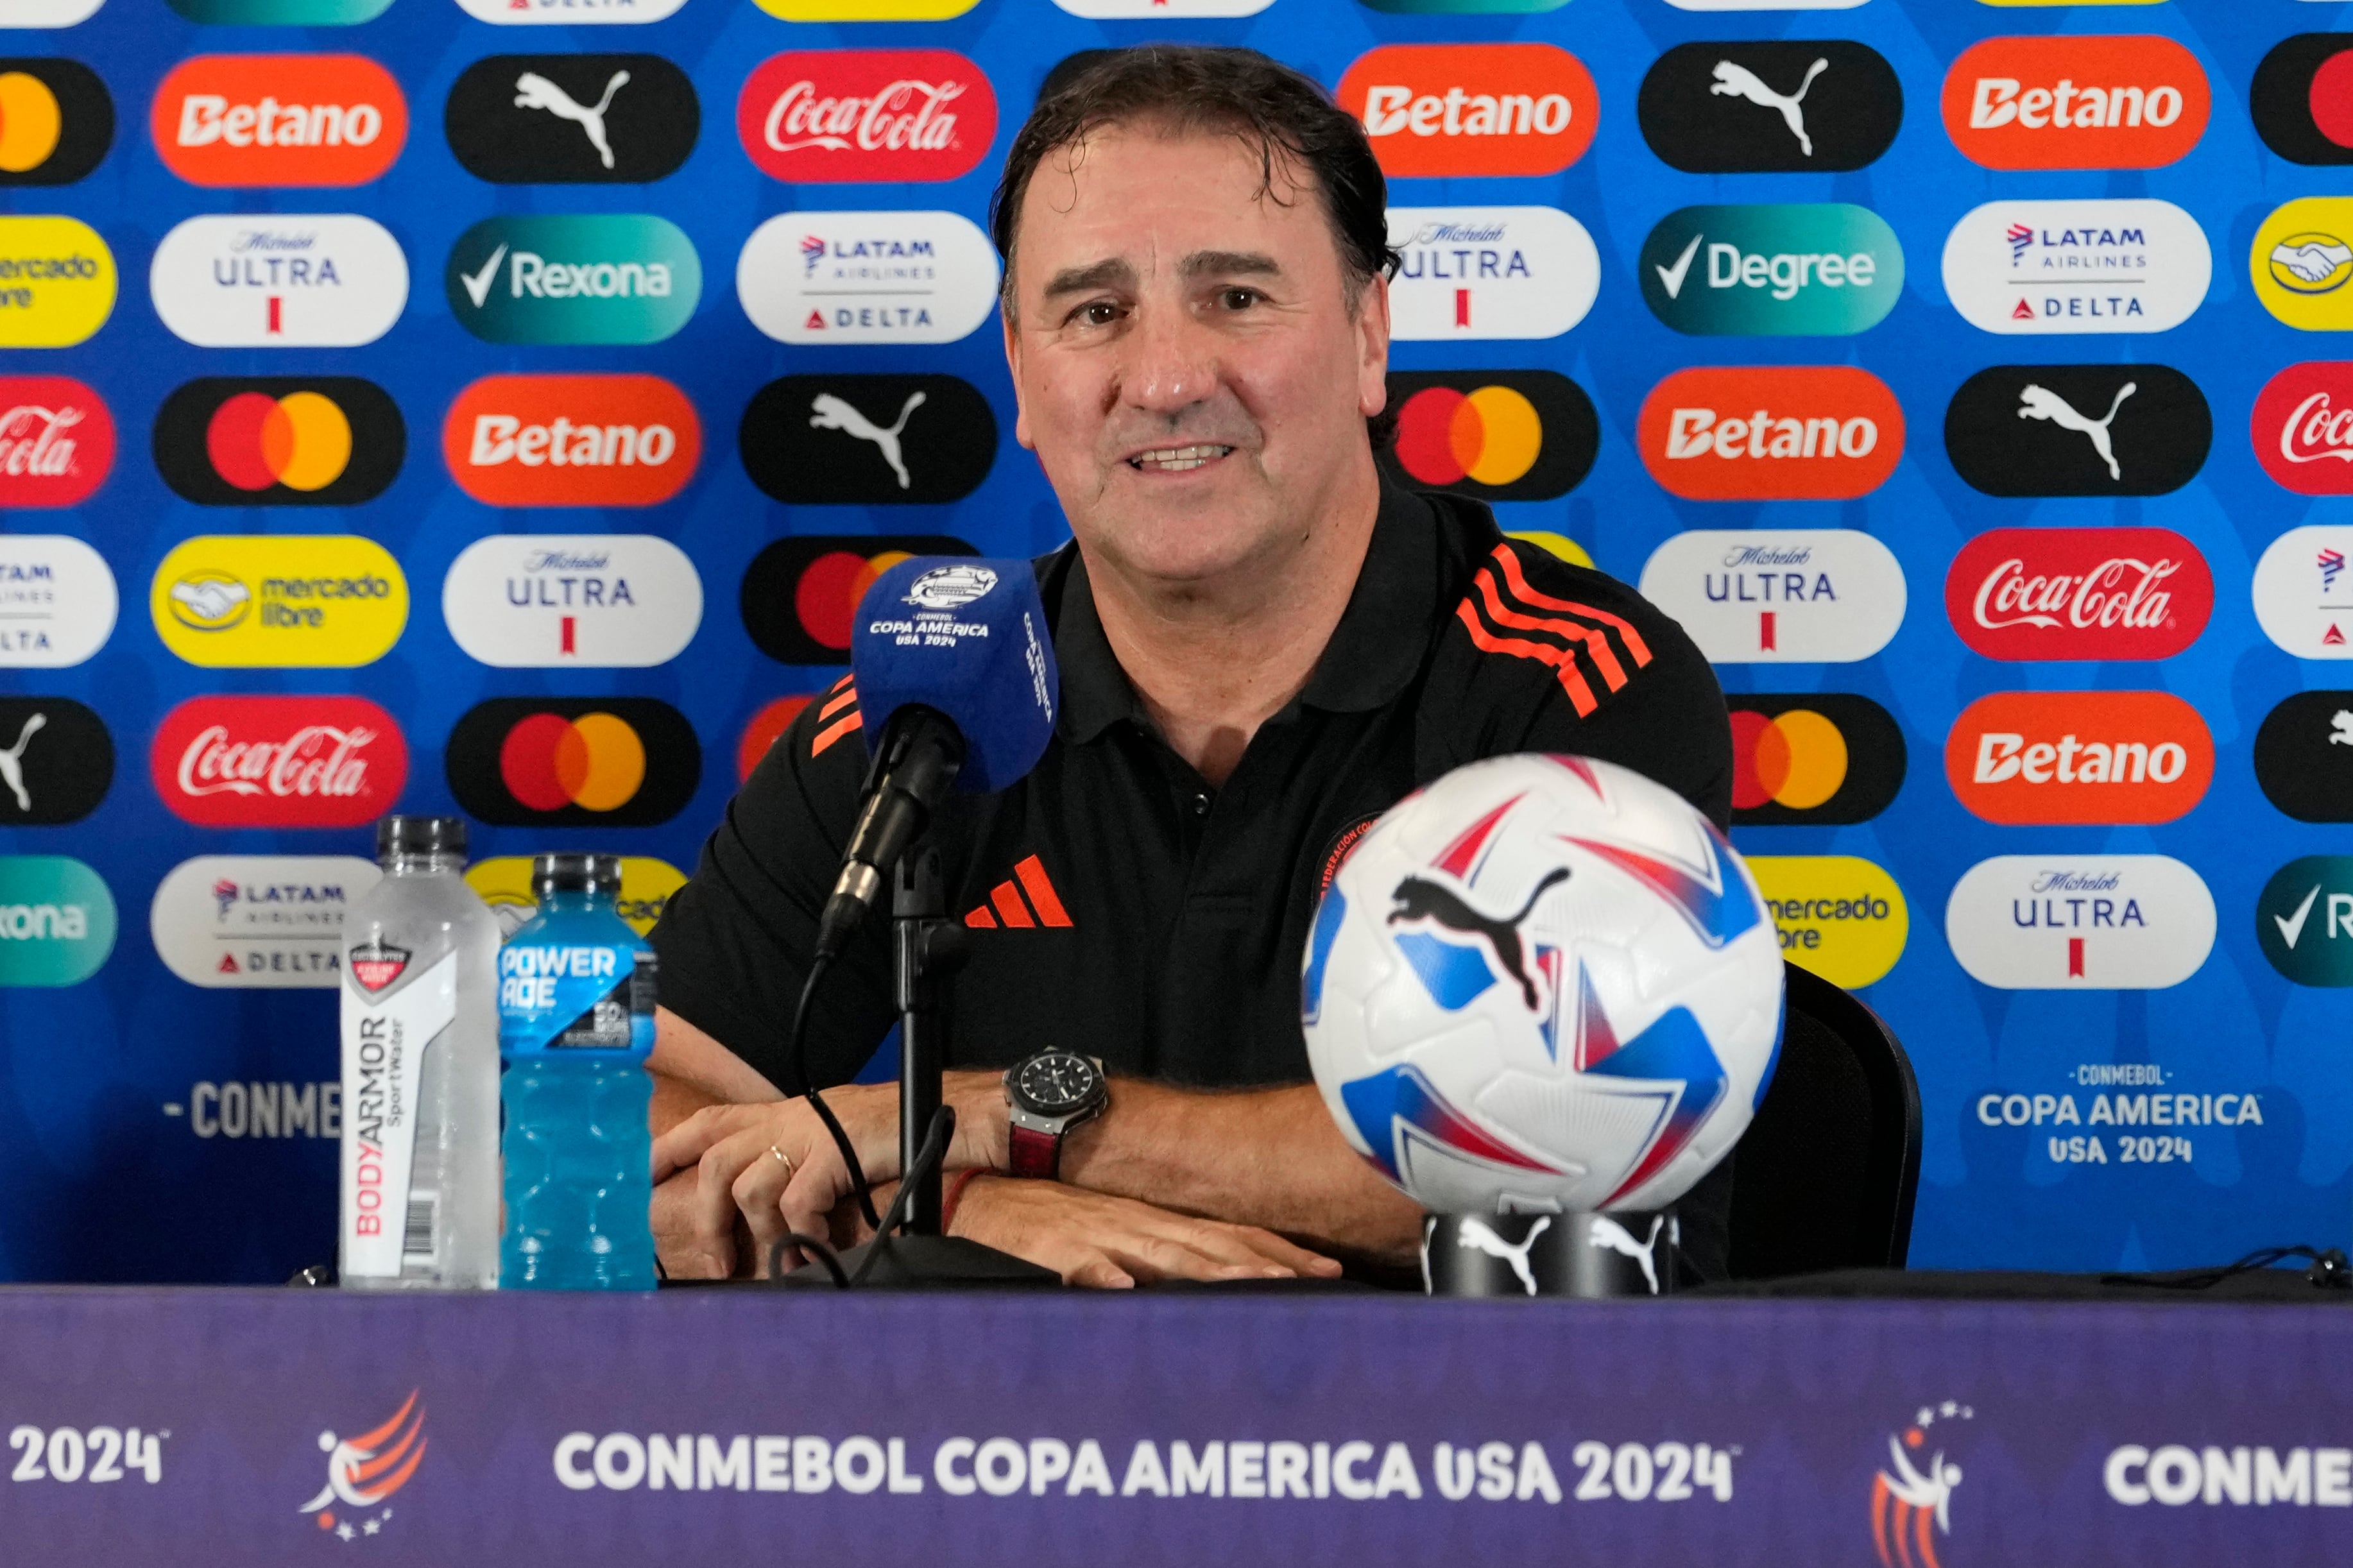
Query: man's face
(1190, 370)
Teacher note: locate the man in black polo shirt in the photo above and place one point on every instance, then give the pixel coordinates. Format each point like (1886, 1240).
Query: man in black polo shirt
(1264, 645)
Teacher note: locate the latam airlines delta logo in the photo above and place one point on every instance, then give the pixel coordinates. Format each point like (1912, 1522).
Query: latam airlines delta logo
(2079, 594)
(1797, 596)
(2080, 757)
(572, 440)
(1490, 272)
(2304, 595)
(57, 441)
(56, 285)
(1789, 433)
(58, 601)
(279, 601)
(2094, 265)
(1440, 109)
(278, 119)
(266, 923)
(2080, 922)
(815, 277)
(604, 601)
(278, 281)
(1810, 269)
(2068, 101)
(576, 277)
(867, 114)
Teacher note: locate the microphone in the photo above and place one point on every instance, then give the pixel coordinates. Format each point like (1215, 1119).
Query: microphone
(956, 676)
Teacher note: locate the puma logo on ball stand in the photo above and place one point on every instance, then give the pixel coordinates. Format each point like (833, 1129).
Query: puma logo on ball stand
(1586, 1256)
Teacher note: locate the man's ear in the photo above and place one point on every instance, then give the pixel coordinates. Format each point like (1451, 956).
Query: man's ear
(1013, 365)
(1372, 347)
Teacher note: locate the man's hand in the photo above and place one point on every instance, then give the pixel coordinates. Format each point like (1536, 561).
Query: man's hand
(1111, 1243)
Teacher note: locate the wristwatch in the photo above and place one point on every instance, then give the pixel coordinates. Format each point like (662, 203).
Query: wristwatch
(1049, 1094)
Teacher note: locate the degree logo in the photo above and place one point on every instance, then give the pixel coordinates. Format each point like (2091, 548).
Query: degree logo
(2304, 921)
(541, 601)
(1787, 433)
(815, 277)
(57, 761)
(572, 440)
(1441, 109)
(279, 601)
(58, 601)
(871, 440)
(567, 13)
(280, 440)
(278, 119)
(518, 120)
(1490, 272)
(2304, 595)
(2079, 757)
(281, 12)
(2303, 257)
(573, 761)
(2080, 922)
(268, 922)
(2068, 101)
(2303, 98)
(865, 10)
(57, 441)
(1495, 435)
(2079, 594)
(800, 596)
(2304, 756)
(504, 883)
(57, 921)
(278, 281)
(2302, 428)
(57, 282)
(2099, 266)
(1791, 595)
(867, 114)
(56, 121)
(581, 278)
(2078, 430)
(1816, 269)
(1814, 758)
(1808, 106)
(279, 762)
(1840, 916)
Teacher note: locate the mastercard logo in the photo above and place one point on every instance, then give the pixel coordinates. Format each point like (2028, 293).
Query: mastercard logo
(1827, 758)
(800, 596)
(610, 762)
(1493, 434)
(280, 441)
(56, 121)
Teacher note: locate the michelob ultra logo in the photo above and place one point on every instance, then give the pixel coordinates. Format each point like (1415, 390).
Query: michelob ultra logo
(567, 13)
(1439, 109)
(257, 921)
(867, 114)
(57, 441)
(519, 119)
(1839, 916)
(57, 282)
(2302, 260)
(279, 762)
(573, 761)
(58, 601)
(278, 281)
(504, 883)
(799, 598)
(1496, 434)
(2302, 428)
(1490, 272)
(2304, 756)
(2303, 98)
(2079, 757)
(865, 10)
(815, 277)
(2078, 430)
(1789, 596)
(1787, 433)
(572, 440)
(281, 12)
(56, 120)
(57, 921)
(256, 601)
(2304, 595)
(2079, 594)
(2093, 266)
(280, 440)
(2080, 922)
(2304, 921)
(577, 278)
(278, 119)
(1822, 758)
(2068, 101)
(523, 601)
(1809, 269)
(1811, 105)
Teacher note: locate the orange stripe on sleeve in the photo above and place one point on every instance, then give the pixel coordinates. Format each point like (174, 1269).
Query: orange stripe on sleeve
(835, 705)
(1572, 682)
(1596, 643)
(1520, 589)
(835, 731)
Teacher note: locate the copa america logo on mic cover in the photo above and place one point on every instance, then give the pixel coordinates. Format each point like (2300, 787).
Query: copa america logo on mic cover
(950, 588)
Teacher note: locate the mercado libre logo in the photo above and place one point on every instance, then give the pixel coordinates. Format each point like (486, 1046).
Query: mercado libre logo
(800, 596)
(2070, 101)
(57, 441)
(2080, 922)
(572, 440)
(281, 601)
(1839, 916)
(578, 277)
(56, 121)
(2304, 921)
(365, 1470)
(1789, 433)
(504, 883)
(60, 282)
(280, 441)
(2085, 758)
(577, 761)
(1912, 1495)
(1493, 434)
(1442, 110)
(2079, 594)
(1813, 758)
(1796, 269)
(2302, 98)
(2302, 260)
(571, 119)
(57, 921)
(278, 119)
(279, 762)
(868, 440)
(878, 115)
(2078, 430)
(1812, 106)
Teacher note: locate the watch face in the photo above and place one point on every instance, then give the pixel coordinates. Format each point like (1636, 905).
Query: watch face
(1056, 1081)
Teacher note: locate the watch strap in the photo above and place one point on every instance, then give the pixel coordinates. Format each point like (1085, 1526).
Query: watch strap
(1035, 1153)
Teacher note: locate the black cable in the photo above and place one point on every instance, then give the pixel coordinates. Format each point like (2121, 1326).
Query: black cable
(2328, 1266)
(822, 1251)
(935, 1150)
(798, 1047)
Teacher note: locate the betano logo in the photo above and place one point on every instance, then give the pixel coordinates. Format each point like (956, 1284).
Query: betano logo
(1495, 435)
(1490, 272)
(279, 601)
(2093, 266)
(2304, 921)
(57, 282)
(2068, 101)
(867, 114)
(1803, 596)
(278, 281)
(278, 119)
(2078, 430)
(1796, 269)
(58, 601)
(816, 277)
(578, 761)
(1823, 758)
(599, 601)
(504, 883)
(2079, 594)
(865, 10)
(1441, 109)
(281, 12)
(2301, 261)
(572, 440)
(2302, 428)
(56, 120)
(579, 278)
(1787, 433)
(57, 441)
(280, 440)
(1839, 916)
(800, 596)
(2304, 595)
(57, 921)
(2080, 922)
(271, 923)
(518, 120)
(279, 762)
(2083, 758)
(1792, 106)
(2304, 756)
(2302, 100)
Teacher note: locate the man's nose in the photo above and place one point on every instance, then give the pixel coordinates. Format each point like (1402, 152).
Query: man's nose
(1172, 362)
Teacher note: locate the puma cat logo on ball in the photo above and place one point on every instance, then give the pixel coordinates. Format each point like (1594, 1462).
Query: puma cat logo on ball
(1418, 899)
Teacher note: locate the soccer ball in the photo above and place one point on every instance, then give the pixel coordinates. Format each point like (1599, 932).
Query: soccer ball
(1543, 984)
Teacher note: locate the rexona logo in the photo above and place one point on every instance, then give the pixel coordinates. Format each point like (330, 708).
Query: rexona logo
(2078, 430)
(57, 441)
(2304, 756)
(281, 12)
(1496, 434)
(278, 119)
(2304, 595)
(2303, 98)
(267, 922)
(2302, 260)
(2068, 101)
(800, 596)
(1787, 433)
(281, 601)
(567, 13)
(1817, 758)
(524, 601)
(1839, 916)
(279, 762)
(518, 120)
(2079, 757)
(2302, 428)
(1815, 106)
(58, 601)
(56, 120)
(1794, 595)
(57, 761)
(2101, 265)
(2304, 921)
(280, 280)
(867, 278)
(57, 282)
(280, 440)
(578, 277)
(57, 921)
(1818, 269)
(573, 761)
(2079, 594)
(1490, 272)
(504, 883)
(1439, 109)
(2080, 922)
(868, 440)
(865, 10)
(876, 115)
(572, 440)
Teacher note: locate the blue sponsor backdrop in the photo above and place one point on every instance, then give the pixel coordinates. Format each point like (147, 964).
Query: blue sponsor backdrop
(99, 1181)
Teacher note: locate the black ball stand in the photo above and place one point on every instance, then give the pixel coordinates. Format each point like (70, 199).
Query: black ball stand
(1586, 1256)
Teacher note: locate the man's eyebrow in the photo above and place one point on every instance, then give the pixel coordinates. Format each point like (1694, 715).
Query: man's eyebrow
(1233, 263)
(1103, 274)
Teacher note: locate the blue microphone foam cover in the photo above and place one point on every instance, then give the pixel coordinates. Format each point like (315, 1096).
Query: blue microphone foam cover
(966, 636)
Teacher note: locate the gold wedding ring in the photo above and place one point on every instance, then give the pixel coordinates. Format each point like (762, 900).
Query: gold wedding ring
(787, 1164)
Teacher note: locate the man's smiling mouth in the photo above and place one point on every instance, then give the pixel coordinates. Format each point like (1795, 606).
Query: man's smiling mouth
(1175, 459)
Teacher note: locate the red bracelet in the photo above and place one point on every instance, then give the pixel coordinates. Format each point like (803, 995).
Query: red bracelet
(955, 1193)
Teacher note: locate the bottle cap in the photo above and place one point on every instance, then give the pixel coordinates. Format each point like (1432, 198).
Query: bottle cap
(398, 836)
(577, 874)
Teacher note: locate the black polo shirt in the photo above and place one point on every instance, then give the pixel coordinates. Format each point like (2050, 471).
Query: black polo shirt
(1124, 908)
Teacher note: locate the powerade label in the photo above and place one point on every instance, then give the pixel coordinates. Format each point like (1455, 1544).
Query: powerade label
(575, 995)
(387, 1028)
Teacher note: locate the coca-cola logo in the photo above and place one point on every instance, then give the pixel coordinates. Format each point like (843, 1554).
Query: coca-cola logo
(279, 762)
(57, 441)
(2303, 427)
(2079, 592)
(866, 115)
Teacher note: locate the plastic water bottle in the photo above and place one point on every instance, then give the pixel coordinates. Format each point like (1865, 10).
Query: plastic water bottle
(575, 1023)
(420, 1149)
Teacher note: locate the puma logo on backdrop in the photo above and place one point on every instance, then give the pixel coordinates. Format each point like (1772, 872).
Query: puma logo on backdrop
(2040, 403)
(1733, 81)
(831, 413)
